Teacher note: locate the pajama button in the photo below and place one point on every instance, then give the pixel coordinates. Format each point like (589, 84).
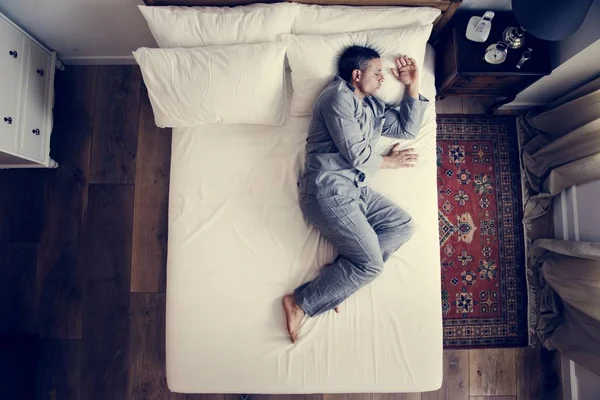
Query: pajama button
(361, 177)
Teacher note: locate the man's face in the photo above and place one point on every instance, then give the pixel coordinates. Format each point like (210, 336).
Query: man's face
(369, 81)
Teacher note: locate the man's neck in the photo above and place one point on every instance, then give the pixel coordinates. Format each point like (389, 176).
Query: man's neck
(358, 93)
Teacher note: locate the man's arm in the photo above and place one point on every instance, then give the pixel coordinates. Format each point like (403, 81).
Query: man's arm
(404, 121)
(338, 113)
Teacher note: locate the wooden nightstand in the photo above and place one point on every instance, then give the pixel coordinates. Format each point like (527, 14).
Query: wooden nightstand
(462, 71)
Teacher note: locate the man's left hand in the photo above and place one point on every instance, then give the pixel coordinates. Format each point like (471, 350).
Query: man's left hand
(407, 72)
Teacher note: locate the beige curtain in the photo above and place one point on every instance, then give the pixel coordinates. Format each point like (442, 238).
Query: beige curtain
(560, 149)
(569, 298)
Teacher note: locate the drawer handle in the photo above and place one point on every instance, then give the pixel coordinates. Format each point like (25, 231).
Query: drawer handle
(36, 132)
(40, 72)
(13, 53)
(8, 120)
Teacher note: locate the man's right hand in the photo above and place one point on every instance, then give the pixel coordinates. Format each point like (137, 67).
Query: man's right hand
(397, 158)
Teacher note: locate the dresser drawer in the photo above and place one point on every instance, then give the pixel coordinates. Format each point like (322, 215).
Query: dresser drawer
(26, 99)
(12, 55)
(499, 85)
(34, 132)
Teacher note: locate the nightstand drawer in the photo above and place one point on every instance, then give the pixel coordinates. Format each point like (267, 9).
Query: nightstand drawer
(488, 84)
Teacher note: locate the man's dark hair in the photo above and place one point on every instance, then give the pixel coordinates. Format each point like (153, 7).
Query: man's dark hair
(355, 57)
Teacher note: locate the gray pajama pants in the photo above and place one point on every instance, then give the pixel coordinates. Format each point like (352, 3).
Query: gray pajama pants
(365, 231)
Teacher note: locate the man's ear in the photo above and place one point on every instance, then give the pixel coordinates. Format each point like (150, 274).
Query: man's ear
(356, 75)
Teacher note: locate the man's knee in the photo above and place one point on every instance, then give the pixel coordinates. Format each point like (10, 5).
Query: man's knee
(409, 227)
(404, 230)
(368, 264)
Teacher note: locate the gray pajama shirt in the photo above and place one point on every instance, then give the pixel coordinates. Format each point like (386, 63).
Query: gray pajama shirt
(364, 226)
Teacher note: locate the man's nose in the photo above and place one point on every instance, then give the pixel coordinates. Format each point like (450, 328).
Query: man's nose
(381, 78)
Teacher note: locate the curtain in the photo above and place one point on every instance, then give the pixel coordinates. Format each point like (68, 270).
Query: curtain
(561, 148)
(569, 299)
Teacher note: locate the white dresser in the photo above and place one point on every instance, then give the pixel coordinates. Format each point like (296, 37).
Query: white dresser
(26, 99)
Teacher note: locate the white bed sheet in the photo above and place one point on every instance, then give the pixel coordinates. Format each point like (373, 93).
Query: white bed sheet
(238, 243)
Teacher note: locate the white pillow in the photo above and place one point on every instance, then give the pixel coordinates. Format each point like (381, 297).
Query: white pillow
(242, 84)
(208, 26)
(327, 20)
(313, 61)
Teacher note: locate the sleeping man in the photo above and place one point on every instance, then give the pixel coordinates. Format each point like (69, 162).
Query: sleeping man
(365, 227)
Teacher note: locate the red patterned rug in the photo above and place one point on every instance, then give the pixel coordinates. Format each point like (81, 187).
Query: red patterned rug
(484, 299)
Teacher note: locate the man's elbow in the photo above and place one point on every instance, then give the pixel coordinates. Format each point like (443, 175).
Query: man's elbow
(359, 156)
(411, 128)
(411, 133)
(357, 162)
(401, 131)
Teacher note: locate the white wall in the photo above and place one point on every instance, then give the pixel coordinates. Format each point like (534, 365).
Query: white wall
(586, 35)
(83, 30)
(576, 213)
(577, 217)
(106, 31)
(495, 5)
(574, 60)
(576, 71)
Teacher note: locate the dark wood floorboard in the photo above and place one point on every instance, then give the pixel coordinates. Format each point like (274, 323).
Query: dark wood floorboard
(105, 335)
(17, 287)
(284, 397)
(58, 370)
(150, 222)
(529, 365)
(492, 372)
(370, 396)
(65, 206)
(21, 210)
(291, 397)
(108, 234)
(116, 124)
(538, 374)
(456, 377)
(288, 397)
(147, 376)
(18, 359)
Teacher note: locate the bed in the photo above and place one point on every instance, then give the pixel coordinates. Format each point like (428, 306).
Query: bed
(238, 243)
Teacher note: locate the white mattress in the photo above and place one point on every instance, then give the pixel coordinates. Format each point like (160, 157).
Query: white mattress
(238, 243)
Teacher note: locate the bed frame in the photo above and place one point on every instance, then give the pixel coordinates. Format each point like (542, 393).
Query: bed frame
(448, 7)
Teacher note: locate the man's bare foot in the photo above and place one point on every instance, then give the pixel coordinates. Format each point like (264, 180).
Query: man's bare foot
(293, 316)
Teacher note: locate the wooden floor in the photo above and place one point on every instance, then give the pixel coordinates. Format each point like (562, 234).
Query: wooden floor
(83, 256)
